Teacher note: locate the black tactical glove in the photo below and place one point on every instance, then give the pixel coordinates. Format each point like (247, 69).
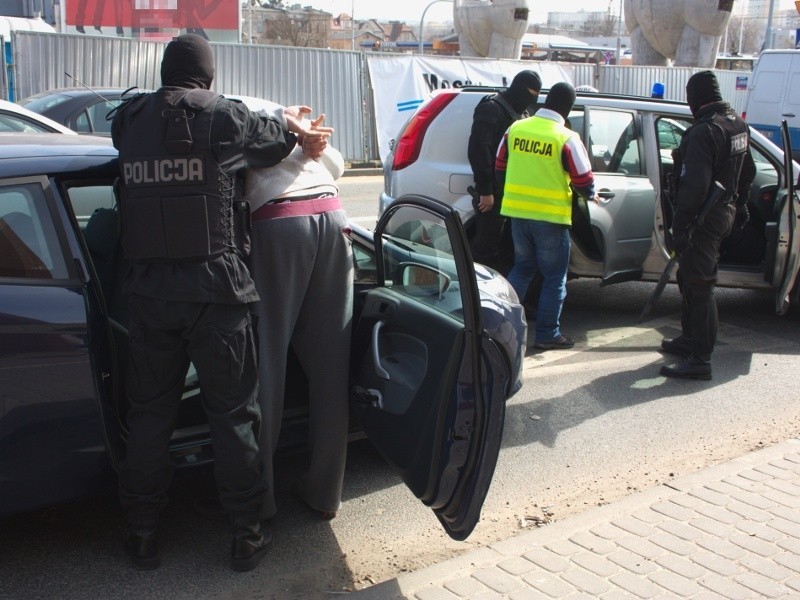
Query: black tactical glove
(741, 218)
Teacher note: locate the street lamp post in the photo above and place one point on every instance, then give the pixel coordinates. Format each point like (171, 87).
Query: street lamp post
(422, 20)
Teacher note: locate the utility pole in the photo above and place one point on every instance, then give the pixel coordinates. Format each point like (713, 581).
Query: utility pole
(619, 34)
(768, 33)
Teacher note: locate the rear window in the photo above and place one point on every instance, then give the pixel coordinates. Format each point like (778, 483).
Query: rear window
(40, 103)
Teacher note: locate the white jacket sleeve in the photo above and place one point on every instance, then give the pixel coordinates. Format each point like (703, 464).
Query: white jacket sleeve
(332, 160)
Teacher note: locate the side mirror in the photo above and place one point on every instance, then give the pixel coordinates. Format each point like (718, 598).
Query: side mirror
(422, 281)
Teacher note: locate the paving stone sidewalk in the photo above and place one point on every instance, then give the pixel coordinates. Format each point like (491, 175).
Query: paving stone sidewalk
(730, 531)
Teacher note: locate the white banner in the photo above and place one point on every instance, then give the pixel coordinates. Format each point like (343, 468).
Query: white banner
(400, 83)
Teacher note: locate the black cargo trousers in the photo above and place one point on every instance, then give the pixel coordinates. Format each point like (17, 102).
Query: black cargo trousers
(697, 274)
(219, 340)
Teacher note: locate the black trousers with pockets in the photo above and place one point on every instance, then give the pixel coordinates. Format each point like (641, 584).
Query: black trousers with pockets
(219, 340)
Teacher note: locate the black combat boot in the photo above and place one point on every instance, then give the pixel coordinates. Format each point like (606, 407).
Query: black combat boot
(680, 345)
(689, 368)
(142, 550)
(249, 546)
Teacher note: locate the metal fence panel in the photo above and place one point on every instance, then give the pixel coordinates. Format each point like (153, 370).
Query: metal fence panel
(638, 81)
(45, 61)
(585, 74)
(330, 81)
(334, 82)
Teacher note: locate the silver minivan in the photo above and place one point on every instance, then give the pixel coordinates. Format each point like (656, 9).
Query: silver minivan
(630, 142)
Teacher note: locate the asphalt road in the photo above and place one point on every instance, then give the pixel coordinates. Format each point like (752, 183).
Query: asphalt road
(590, 425)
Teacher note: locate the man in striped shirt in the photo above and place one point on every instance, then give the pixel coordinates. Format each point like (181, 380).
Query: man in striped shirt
(539, 163)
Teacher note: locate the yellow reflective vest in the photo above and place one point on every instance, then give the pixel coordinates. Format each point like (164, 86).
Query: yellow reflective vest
(537, 187)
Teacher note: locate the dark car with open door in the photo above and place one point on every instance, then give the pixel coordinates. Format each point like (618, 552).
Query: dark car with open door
(437, 348)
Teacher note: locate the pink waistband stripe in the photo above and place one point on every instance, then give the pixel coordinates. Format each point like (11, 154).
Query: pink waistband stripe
(299, 208)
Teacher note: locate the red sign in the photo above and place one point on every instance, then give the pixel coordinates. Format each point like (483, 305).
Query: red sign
(217, 20)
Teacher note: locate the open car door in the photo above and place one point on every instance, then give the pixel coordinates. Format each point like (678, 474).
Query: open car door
(431, 385)
(787, 261)
(624, 220)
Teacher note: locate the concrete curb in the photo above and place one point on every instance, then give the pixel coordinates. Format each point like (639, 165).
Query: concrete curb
(362, 172)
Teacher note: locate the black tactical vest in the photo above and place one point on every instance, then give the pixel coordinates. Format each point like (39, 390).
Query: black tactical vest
(731, 156)
(176, 202)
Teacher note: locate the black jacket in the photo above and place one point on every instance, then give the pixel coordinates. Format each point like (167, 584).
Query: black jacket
(491, 119)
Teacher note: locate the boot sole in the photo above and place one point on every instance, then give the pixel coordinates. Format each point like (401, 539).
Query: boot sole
(241, 565)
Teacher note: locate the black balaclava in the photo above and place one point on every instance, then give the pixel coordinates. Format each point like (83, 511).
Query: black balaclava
(517, 93)
(188, 62)
(561, 98)
(701, 89)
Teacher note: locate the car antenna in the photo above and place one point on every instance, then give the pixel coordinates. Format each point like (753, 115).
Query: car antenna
(80, 83)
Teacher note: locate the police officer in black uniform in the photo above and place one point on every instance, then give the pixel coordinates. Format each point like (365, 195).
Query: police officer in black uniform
(714, 148)
(492, 117)
(185, 230)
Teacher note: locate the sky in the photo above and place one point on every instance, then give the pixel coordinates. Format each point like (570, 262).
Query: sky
(411, 11)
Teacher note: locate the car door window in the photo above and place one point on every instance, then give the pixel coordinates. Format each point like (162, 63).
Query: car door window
(615, 142)
(766, 172)
(86, 199)
(81, 123)
(418, 261)
(97, 116)
(669, 133)
(365, 269)
(767, 179)
(29, 246)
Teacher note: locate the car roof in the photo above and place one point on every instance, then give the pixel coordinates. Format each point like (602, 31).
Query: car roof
(26, 154)
(598, 99)
(79, 92)
(14, 108)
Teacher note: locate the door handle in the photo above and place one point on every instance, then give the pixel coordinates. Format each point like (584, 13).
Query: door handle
(376, 356)
(606, 196)
(788, 115)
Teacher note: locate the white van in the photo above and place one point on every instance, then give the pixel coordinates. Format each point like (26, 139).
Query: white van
(774, 94)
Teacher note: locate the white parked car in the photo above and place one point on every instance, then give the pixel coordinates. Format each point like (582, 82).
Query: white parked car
(15, 118)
